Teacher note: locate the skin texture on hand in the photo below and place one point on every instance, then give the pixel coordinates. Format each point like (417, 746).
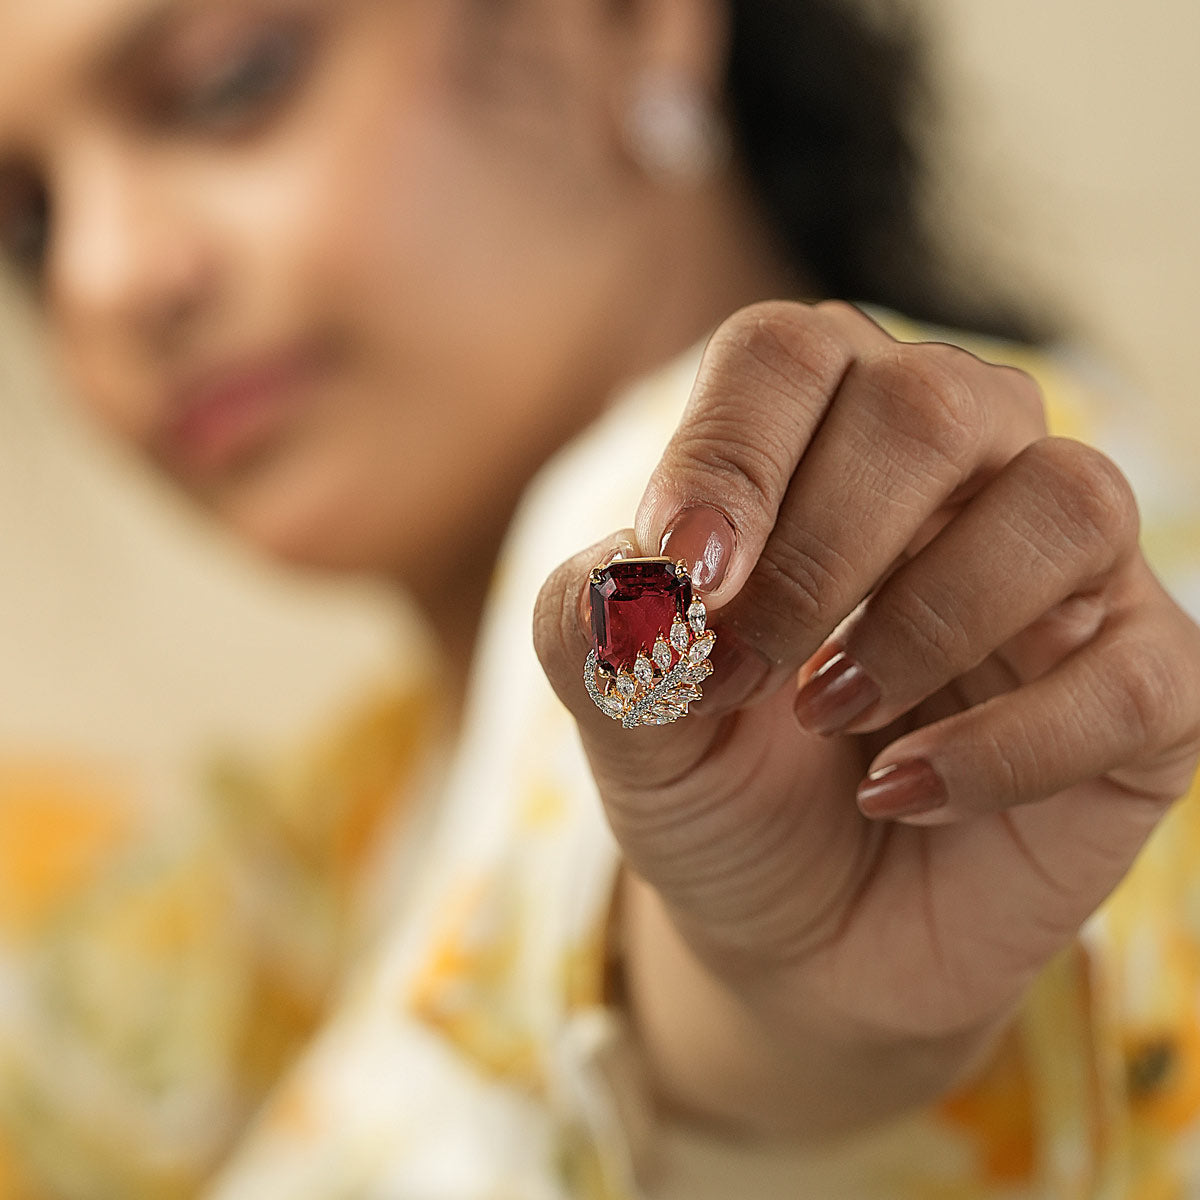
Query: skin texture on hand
(951, 702)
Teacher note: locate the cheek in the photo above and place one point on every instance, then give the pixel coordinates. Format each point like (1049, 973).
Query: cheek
(351, 224)
(456, 283)
(103, 383)
(409, 266)
(387, 465)
(474, 256)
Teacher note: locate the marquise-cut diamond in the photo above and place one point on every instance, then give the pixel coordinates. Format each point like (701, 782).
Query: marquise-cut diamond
(662, 655)
(679, 635)
(697, 614)
(643, 671)
(626, 686)
(701, 648)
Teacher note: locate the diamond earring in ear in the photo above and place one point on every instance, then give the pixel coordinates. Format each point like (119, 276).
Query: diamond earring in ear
(672, 130)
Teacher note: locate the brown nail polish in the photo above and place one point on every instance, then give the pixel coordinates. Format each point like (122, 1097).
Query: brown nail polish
(702, 538)
(840, 692)
(904, 789)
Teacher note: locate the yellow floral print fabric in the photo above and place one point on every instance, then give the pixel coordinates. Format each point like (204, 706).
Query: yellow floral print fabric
(342, 960)
(160, 976)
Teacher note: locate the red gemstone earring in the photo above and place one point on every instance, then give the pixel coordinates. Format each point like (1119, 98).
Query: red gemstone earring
(650, 646)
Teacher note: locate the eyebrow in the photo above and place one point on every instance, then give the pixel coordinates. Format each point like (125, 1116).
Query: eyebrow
(134, 41)
(118, 53)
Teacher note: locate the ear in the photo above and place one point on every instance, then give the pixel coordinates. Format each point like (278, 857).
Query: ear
(686, 40)
(682, 39)
(668, 102)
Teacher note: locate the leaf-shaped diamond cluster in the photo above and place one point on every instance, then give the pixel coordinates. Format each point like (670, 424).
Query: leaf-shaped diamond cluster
(658, 687)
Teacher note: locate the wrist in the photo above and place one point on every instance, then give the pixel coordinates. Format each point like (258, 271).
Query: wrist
(768, 1054)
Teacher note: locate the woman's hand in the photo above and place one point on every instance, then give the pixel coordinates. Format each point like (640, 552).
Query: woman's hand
(951, 701)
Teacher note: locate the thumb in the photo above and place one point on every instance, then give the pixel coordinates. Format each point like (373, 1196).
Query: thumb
(708, 810)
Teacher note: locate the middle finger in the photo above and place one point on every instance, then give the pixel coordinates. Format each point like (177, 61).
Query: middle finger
(913, 431)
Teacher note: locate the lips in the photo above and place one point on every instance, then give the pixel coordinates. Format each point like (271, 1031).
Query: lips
(227, 413)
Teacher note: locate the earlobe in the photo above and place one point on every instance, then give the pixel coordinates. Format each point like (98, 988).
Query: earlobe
(670, 118)
(685, 38)
(672, 130)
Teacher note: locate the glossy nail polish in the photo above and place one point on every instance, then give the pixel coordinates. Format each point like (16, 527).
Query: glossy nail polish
(839, 693)
(905, 789)
(703, 538)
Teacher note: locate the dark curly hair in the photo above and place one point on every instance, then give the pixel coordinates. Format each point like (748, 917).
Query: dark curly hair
(831, 105)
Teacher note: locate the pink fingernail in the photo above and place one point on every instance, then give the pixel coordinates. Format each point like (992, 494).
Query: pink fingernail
(703, 538)
(905, 789)
(836, 695)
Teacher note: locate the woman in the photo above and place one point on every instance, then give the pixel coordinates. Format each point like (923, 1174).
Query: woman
(351, 273)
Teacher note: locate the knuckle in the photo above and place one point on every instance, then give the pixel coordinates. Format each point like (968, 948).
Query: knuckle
(798, 582)
(927, 629)
(1090, 494)
(1007, 767)
(777, 345)
(925, 396)
(837, 310)
(716, 458)
(1024, 394)
(1145, 694)
(841, 314)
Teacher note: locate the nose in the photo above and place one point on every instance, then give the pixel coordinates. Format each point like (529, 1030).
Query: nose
(127, 253)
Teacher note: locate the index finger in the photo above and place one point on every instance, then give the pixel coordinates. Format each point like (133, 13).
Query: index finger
(766, 380)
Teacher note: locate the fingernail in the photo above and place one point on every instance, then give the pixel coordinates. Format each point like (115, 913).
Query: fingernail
(836, 695)
(739, 674)
(623, 545)
(703, 538)
(904, 789)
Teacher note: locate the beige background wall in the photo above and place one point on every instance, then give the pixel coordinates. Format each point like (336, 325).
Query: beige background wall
(1079, 121)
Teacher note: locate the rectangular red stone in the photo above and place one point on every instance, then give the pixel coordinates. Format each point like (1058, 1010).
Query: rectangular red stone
(633, 601)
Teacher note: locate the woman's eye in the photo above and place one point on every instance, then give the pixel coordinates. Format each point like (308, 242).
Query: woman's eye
(24, 225)
(249, 86)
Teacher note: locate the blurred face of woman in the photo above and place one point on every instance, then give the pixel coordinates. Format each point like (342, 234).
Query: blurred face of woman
(337, 266)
